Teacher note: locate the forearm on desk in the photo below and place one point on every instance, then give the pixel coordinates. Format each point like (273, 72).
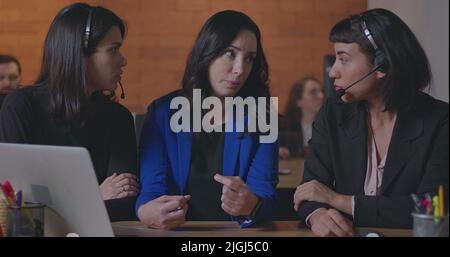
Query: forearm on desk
(342, 203)
(121, 209)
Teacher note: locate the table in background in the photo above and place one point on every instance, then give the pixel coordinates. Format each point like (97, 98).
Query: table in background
(291, 180)
(231, 229)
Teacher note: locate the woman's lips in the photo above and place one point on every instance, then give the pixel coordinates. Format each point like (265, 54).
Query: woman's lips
(234, 83)
(336, 87)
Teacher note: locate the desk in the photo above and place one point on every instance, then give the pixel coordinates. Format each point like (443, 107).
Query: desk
(230, 229)
(291, 180)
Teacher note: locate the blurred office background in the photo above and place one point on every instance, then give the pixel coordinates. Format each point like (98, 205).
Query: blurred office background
(161, 32)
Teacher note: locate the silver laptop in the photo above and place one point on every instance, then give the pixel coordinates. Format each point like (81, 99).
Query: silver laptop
(62, 178)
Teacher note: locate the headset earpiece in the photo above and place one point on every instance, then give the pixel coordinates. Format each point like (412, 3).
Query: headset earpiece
(380, 60)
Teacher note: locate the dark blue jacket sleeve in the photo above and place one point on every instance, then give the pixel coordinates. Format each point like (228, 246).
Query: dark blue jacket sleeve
(262, 179)
(154, 164)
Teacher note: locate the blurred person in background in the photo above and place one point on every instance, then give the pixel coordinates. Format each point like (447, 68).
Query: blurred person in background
(10, 75)
(305, 99)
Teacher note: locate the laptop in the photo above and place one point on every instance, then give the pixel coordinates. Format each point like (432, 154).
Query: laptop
(63, 179)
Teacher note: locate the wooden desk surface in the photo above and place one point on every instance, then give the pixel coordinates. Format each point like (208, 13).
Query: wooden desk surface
(291, 180)
(231, 229)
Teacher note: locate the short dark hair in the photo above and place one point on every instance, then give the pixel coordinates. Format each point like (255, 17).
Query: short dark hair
(4, 58)
(63, 68)
(408, 67)
(214, 37)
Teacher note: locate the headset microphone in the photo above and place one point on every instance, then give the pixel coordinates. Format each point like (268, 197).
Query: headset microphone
(122, 95)
(341, 91)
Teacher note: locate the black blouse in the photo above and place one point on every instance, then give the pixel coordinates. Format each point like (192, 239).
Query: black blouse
(108, 135)
(206, 161)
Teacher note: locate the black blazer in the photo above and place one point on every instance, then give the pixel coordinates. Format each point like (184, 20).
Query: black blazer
(417, 159)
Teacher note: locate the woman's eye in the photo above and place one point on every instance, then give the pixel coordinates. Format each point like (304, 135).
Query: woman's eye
(229, 53)
(250, 59)
(342, 60)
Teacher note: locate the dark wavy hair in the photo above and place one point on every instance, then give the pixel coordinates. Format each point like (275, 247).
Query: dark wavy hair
(215, 36)
(408, 66)
(63, 68)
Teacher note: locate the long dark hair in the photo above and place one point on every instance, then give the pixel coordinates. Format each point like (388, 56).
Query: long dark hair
(63, 68)
(215, 36)
(293, 113)
(408, 66)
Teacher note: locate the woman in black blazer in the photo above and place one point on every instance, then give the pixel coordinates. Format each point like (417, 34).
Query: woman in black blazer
(380, 140)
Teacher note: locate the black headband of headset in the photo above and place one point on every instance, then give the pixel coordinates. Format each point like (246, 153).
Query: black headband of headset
(87, 31)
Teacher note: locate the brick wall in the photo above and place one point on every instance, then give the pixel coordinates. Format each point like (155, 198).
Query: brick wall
(161, 33)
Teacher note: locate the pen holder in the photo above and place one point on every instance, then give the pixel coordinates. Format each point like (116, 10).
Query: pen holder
(3, 216)
(26, 221)
(430, 226)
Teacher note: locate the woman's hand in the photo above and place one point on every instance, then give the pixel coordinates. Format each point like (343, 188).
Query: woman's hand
(237, 199)
(330, 223)
(318, 192)
(165, 212)
(313, 191)
(119, 186)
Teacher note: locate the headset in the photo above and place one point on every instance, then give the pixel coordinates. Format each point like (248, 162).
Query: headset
(380, 60)
(87, 30)
(87, 34)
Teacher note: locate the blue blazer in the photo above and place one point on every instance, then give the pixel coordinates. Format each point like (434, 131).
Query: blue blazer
(165, 161)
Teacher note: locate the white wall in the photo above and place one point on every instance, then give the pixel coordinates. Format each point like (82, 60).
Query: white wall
(429, 21)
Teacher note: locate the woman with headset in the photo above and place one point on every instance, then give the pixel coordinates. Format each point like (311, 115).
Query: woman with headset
(382, 139)
(67, 107)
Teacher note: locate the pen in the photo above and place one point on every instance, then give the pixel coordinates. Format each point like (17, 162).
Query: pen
(441, 200)
(9, 191)
(436, 209)
(21, 205)
(8, 201)
(429, 205)
(418, 205)
(19, 198)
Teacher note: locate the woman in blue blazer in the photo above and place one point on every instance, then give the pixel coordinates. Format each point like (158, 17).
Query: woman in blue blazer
(215, 175)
